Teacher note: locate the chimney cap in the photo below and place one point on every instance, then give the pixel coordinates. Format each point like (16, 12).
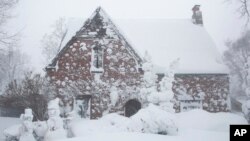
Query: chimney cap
(196, 7)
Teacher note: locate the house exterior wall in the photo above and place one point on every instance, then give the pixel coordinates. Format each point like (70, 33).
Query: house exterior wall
(211, 89)
(120, 69)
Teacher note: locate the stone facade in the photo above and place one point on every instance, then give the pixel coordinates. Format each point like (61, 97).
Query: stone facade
(211, 89)
(118, 64)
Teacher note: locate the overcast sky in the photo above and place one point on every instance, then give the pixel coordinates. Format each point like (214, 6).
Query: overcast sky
(35, 17)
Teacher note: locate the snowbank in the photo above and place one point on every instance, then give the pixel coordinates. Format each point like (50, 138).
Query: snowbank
(148, 120)
(189, 136)
(6, 122)
(203, 120)
(195, 125)
(154, 120)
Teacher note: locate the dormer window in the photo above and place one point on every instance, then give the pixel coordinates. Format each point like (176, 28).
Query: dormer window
(98, 57)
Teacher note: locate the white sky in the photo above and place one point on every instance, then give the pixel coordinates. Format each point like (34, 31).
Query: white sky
(35, 17)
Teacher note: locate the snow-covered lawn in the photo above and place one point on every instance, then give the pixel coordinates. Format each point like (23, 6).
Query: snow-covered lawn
(190, 135)
(6, 122)
(195, 125)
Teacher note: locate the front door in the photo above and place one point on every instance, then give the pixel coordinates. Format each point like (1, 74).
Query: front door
(82, 106)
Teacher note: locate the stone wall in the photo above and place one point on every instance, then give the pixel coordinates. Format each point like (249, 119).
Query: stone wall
(211, 89)
(120, 69)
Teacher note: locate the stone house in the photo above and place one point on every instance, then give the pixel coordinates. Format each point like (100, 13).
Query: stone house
(100, 60)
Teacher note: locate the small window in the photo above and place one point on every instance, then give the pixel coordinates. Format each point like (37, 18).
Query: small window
(97, 57)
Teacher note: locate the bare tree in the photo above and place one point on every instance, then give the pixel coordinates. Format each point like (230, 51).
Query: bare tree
(11, 59)
(52, 42)
(237, 58)
(243, 9)
(6, 38)
(12, 66)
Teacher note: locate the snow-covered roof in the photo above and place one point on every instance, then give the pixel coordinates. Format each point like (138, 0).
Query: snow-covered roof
(166, 40)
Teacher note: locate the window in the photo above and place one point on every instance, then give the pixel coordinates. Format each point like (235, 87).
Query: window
(97, 57)
(186, 105)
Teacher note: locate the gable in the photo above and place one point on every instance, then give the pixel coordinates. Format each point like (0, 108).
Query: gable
(100, 28)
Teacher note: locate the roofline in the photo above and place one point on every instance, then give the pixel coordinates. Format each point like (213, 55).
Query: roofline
(120, 35)
(62, 51)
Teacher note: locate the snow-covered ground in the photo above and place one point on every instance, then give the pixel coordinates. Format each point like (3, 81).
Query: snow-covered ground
(195, 125)
(6, 122)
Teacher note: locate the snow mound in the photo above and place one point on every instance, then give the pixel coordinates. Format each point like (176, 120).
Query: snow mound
(117, 121)
(9, 127)
(148, 120)
(85, 127)
(203, 120)
(12, 132)
(154, 120)
(246, 106)
(189, 136)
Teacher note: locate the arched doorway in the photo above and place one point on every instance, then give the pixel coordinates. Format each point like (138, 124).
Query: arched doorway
(132, 107)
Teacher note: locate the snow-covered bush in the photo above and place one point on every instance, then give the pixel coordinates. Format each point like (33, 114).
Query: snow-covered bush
(43, 131)
(148, 120)
(33, 91)
(148, 85)
(55, 123)
(149, 77)
(40, 128)
(163, 95)
(21, 132)
(12, 133)
(153, 120)
(118, 122)
(156, 119)
(114, 96)
(246, 110)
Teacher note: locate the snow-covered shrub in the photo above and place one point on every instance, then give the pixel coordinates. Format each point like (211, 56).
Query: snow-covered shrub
(21, 132)
(114, 96)
(12, 133)
(120, 123)
(148, 120)
(55, 123)
(33, 91)
(149, 76)
(148, 85)
(40, 128)
(153, 120)
(246, 110)
(164, 95)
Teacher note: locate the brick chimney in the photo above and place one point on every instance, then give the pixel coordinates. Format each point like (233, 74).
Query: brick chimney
(197, 15)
